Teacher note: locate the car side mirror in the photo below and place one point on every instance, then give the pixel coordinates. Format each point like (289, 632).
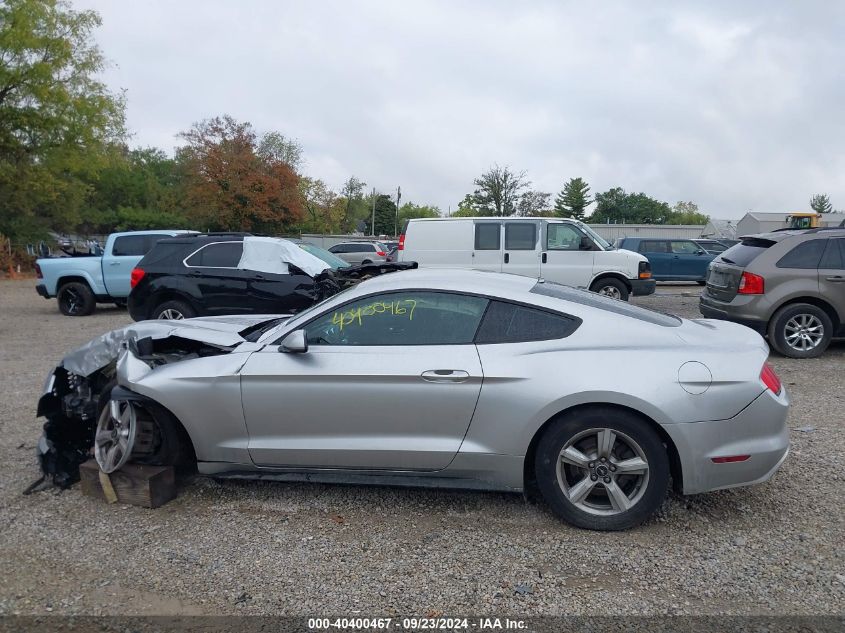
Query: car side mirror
(294, 343)
(700, 252)
(586, 244)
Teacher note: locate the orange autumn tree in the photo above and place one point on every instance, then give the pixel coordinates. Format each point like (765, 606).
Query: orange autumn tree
(231, 186)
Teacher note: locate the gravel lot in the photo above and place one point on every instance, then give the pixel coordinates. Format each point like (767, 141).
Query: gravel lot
(296, 549)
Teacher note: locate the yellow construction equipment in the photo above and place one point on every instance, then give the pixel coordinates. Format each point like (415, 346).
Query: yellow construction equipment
(803, 220)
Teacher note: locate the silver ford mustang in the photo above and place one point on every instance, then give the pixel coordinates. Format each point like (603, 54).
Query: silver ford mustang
(435, 378)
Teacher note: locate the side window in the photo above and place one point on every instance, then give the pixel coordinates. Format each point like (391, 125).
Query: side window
(685, 247)
(370, 248)
(487, 236)
(520, 236)
(401, 318)
(511, 323)
(834, 255)
(804, 255)
(130, 245)
(653, 246)
(562, 237)
(218, 255)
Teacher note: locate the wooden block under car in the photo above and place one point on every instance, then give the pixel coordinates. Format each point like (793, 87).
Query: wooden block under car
(137, 484)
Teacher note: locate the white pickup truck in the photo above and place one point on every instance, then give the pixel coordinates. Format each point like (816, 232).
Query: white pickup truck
(79, 283)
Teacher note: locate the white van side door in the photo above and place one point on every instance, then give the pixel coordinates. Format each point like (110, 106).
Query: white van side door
(487, 245)
(562, 259)
(522, 253)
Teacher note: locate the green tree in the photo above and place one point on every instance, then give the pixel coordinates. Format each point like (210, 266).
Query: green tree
(276, 147)
(573, 199)
(617, 206)
(534, 204)
(355, 210)
(820, 203)
(385, 215)
(55, 114)
(410, 211)
(466, 208)
(498, 191)
(687, 213)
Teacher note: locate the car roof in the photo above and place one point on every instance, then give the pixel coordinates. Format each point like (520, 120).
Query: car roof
(779, 236)
(456, 279)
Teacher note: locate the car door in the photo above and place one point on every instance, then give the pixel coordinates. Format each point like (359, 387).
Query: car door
(125, 253)
(521, 256)
(223, 289)
(832, 275)
(487, 249)
(275, 293)
(689, 260)
(562, 260)
(389, 381)
(660, 257)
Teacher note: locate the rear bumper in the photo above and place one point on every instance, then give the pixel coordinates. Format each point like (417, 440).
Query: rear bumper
(713, 309)
(641, 287)
(760, 431)
(41, 289)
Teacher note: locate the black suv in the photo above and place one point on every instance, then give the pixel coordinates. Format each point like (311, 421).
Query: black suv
(198, 275)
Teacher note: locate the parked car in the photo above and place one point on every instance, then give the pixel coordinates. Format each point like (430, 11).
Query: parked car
(672, 259)
(787, 284)
(564, 251)
(712, 246)
(212, 274)
(80, 282)
(360, 252)
(492, 381)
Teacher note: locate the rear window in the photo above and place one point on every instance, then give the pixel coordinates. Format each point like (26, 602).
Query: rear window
(135, 244)
(805, 255)
(745, 252)
(593, 300)
(512, 323)
(217, 255)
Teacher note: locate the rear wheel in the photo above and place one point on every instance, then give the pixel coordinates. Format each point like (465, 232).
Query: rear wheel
(611, 287)
(76, 299)
(800, 330)
(602, 468)
(174, 310)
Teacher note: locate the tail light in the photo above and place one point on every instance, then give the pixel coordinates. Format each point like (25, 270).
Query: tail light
(644, 271)
(381, 253)
(751, 284)
(402, 242)
(770, 379)
(136, 276)
(38, 272)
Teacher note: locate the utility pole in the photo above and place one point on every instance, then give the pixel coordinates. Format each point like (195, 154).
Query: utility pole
(396, 219)
(373, 225)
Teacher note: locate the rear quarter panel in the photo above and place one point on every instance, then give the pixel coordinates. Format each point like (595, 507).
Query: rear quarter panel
(54, 270)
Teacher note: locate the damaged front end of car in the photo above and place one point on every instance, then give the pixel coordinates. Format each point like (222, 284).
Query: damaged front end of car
(78, 389)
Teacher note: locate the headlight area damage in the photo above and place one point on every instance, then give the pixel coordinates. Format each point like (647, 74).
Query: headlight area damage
(76, 394)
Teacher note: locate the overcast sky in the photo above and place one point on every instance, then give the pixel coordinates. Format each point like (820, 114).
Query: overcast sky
(735, 106)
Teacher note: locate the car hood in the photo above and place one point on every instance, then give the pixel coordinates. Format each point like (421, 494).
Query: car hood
(222, 332)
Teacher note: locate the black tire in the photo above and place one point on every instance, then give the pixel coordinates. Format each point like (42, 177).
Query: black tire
(171, 444)
(173, 307)
(647, 490)
(366, 262)
(781, 325)
(611, 287)
(76, 299)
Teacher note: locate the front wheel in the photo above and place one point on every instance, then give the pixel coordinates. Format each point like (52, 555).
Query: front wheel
(610, 287)
(174, 311)
(602, 468)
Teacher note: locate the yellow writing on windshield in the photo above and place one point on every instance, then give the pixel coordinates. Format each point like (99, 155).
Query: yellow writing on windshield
(400, 307)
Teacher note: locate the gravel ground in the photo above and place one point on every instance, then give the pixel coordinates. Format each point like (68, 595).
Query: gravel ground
(290, 549)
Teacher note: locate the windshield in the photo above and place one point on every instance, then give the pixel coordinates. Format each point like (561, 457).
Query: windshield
(330, 258)
(598, 239)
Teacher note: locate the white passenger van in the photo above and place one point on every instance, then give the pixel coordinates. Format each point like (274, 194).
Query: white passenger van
(560, 250)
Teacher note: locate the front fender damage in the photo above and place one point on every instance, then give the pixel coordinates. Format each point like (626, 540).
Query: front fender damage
(77, 389)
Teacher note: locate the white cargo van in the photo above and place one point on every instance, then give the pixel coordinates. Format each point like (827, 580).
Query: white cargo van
(561, 250)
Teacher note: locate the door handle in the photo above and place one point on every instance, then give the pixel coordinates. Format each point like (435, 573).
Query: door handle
(114, 263)
(543, 258)
(445, 375)
(507, 257)
(835, 278)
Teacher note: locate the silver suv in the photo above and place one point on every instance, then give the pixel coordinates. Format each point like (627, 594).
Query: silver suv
(789, 285)
(361, 252)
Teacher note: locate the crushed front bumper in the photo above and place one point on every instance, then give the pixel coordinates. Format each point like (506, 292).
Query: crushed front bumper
(759, 430)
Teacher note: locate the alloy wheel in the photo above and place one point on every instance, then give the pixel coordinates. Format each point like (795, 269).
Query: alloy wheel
(602, 471)
(803, 332)
(71, 300)
(171, 315)
(610, 291)
(123, 430)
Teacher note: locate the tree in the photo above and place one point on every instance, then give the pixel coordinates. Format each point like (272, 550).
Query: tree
(355, 210)
(55, 114)
(409, 211)
(466, 208)
(574, 199)
(385, 215)
(230, 186)
(276, 148)
(535, 204)
(820, 203)
(616, 206)
(323, 208)
(498, 191)
(687, 213)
